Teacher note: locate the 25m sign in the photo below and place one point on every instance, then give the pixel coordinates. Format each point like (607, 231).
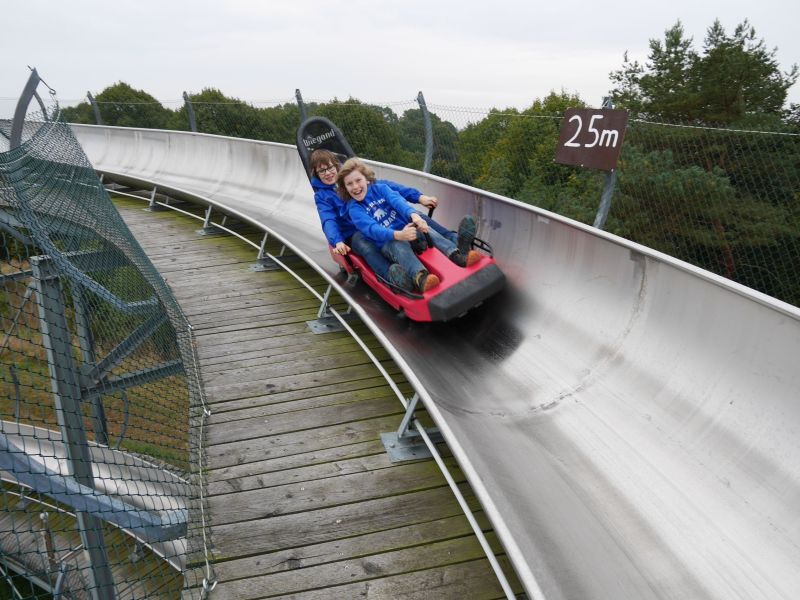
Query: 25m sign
(591, 138)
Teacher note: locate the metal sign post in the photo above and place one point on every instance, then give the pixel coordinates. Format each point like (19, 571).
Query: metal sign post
(592, 138)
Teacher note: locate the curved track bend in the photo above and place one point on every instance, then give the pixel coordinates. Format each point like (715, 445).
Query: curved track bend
(630, 423)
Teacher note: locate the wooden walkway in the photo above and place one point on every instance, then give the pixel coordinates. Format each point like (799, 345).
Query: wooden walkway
(303, 500)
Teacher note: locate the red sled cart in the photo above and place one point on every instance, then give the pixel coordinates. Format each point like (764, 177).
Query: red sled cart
(460, 288)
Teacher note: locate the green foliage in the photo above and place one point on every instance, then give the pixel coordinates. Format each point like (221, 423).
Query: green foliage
(81, 113)
(511, 153)
(477, 139)
(372, 131)
(734, 76)
(123, 106)
(218, 114)
(706, 221)
(411, 129)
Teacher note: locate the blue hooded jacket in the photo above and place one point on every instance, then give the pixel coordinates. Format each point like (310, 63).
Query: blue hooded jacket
(382, 212)
(336, 223)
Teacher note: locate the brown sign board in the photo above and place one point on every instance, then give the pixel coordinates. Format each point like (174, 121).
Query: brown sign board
(591, 137)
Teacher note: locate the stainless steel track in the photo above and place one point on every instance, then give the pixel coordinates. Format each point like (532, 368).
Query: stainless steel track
(630, 423)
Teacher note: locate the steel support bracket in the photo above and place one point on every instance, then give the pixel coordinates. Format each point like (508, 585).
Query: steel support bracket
(406, 443)
(325, 321)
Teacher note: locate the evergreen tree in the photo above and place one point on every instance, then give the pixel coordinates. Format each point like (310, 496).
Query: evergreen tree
(734, 78)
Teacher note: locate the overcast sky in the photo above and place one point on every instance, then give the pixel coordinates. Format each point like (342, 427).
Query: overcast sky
(494, 53)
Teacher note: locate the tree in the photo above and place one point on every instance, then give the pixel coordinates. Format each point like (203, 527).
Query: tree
(511, 153)
(123, 106)
(738, 76)
(411, 129)
(735, 77)
(371, 131)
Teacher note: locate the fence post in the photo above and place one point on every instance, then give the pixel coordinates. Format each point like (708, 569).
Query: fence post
(86, 342)
(65, 383)
(98, 119)
(608, 186)
(15, 139)
(190, 112)
(301, 105)
(426, 116)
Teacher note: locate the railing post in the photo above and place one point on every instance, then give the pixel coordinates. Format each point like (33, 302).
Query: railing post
(405, 443)
(98, 119)
(325, 321)
(64, 380)
(426, 117)
(190, 112)
(86, 342)
(608, 186)
(207, 228)
(264, 262)
(301, 105)
(15, 139)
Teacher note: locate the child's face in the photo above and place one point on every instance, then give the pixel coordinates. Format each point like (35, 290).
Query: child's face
(356, 185)
(327, 173)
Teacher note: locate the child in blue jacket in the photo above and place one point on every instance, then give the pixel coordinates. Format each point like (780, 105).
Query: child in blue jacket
(386, 220)
(336, 224)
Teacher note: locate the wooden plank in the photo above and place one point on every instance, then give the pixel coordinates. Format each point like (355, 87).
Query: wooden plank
(307, 401)
(303, 420)
(261, 503)
(293, 461)
(434, 554)
(238, 453)
(473, 580)
(254, 389)
(247, 538)
(349, 548)
(254, 406)
(302, 497)
(326, 469)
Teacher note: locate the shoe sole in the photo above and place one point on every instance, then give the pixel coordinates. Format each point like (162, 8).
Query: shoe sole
(465, 236)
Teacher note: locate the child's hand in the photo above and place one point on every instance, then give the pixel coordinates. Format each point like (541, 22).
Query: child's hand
(429, 201)
(342, 248)
(420, 223)
(407, 234)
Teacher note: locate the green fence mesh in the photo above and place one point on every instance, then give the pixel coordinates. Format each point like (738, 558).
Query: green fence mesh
(100, 400)
(724, 199)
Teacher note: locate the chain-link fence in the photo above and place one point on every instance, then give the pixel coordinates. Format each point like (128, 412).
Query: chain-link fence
(725, 199)
(100, 402)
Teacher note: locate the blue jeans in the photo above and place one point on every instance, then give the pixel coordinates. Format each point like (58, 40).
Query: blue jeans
(446, 244)
(370, 253)
(402, 253)
(440, 229)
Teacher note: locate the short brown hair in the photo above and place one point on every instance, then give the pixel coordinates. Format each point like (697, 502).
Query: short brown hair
(321, 157)
(350, 165)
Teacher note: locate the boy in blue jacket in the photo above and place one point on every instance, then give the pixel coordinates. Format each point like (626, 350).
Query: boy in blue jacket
(386, 220)
(339, 230)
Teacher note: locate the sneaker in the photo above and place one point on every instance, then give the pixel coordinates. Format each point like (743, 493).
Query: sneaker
(466, 233)
(426, 281)
(465, 261)
(399, 277)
